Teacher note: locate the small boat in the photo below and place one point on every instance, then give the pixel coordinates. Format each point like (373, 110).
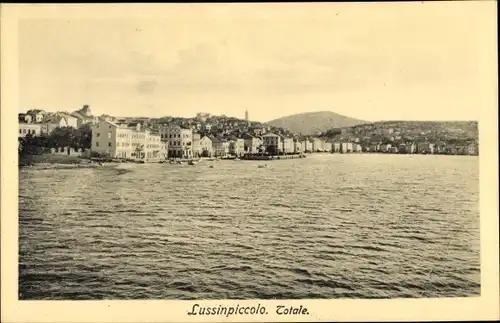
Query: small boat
(192, 162)
(262, 166)
(236, 158)
(211, 166)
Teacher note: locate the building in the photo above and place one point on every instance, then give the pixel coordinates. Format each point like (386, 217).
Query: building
(336, 147)
(196, 144)
(473, 149)
(374, 148)
(180, 141)
(317, 145)
(207, 127)
(37, 116)
(288, 145)
(25, 118)
(385, 148)
(106, 117)
(273, 143)
(32, 129)
(237, 147)
(122, 141)
(220, 147)
(71, 121)
(327, 146)
(308, 145)
(251, 143)
(425, 148)
(346, 147)
(84, 116)
(206, 147)
(55, 122)
(297, 147)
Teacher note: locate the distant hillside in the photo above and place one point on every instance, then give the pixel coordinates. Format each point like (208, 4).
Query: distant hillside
(314, 122)
(395, 132)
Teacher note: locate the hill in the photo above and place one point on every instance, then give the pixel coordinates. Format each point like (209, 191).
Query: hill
(313, 122)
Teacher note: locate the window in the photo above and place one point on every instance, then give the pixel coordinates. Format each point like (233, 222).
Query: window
(109, 134)
(24, 131)
(98, 134)
(20, 131)
(97, 144)
(109, 144)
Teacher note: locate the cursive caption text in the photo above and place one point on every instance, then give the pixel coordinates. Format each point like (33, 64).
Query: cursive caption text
(258, 309)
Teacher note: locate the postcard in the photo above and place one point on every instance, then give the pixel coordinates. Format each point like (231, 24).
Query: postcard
(238, 162)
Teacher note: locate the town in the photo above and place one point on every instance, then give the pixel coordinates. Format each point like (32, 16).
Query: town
(156, 140)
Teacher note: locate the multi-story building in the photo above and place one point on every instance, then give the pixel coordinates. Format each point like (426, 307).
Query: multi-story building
(206, 147)
(32, 129)
(220, 147)
(180, 141)
(297, 147)
(336, 147)
(317, 145)
(196, 144)
(346, 147)
(237, 147)
(327, 146)
(251, 144)
(308, 145)
(122, 141)
(303, 146)
(273, 142)
(288, 145)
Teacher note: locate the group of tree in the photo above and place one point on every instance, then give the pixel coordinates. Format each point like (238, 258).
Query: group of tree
(59, 137)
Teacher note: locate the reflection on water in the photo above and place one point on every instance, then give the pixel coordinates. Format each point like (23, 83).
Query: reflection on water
(328, 226)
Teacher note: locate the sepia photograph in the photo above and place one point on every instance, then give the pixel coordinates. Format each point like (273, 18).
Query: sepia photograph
(256, 152)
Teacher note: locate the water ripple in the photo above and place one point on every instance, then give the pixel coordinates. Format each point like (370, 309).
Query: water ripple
(330, 226)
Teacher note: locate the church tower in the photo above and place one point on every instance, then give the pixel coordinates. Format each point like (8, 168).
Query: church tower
(246, 115)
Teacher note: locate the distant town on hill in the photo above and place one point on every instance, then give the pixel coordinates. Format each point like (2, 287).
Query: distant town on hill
(74, 129)
(398, 132)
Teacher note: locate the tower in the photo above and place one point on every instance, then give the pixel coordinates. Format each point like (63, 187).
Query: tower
(246, 115)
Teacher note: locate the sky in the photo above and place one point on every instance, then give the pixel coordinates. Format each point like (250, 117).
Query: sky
(371, 61)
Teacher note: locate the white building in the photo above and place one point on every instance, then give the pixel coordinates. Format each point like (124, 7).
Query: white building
(120, 141)
(32, 129)
(180, 141)
(56, 122)
(206, 147)
(288, 145)
(237, 147)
